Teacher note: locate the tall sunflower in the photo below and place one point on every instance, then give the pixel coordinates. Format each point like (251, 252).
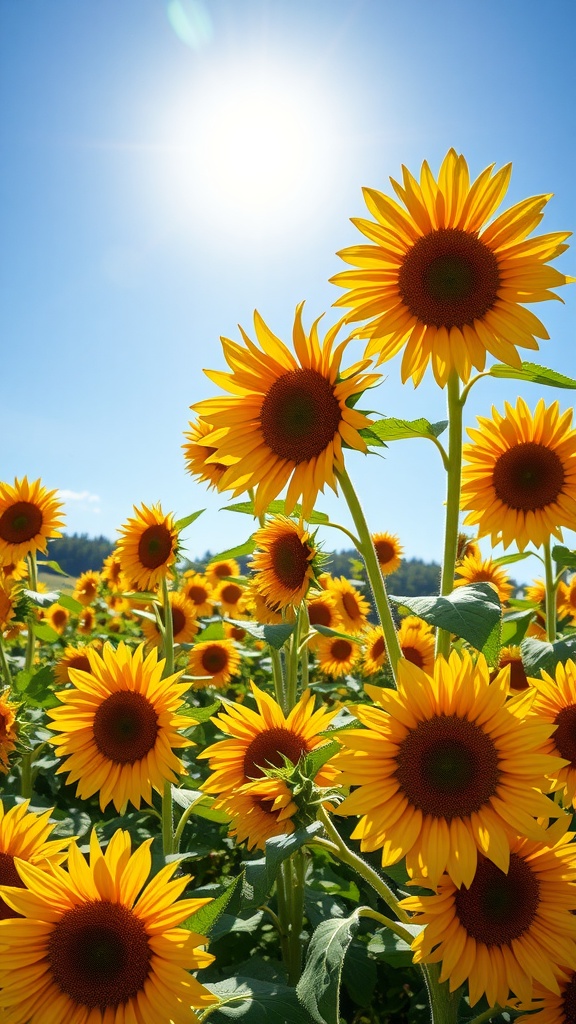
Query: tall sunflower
(555, 703)
(147, 547)
(29, 516)
(416, 639)
(287, 419)
(442, 280)
(26, 835)
(100, 946)
(475, 569)
(519, 476)
(118, 725)
(505, 929)
(389, 552)
(213, 662)
(445, 769)
(284, 561)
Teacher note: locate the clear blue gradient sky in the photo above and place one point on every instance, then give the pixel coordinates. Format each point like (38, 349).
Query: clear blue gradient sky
(130, 243)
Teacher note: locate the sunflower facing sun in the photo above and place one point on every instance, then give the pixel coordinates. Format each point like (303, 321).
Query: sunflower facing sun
(147, 547)
(442, 280)
(287, 419)
(284, 561)
(29, 516)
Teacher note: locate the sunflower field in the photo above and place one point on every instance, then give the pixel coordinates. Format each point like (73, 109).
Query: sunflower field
(280, 796)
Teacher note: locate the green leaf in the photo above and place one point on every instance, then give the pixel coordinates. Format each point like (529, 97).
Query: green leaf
(200, 802)
(71, 604)
(36, 687)
(241, 549)
(276, 636)
(534, 373)
(203, 714)
(518, 556)
(213, 631)
(40, 599)
(564, 557)
(359, 974)
(387, 946)
(276, 508)
(181, 524)
(45, 632)
(317, 758)
(257, 1002)
(205, 918)
(372, 439)
(326, 631)
(491, 649)
(514, 628)
(392, 429)
(53, 566)
(538, 655)
(260, 875)
(470, 612)
(319, 986)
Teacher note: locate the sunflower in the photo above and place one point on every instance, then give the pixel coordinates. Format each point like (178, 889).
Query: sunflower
(259, 810)
(352, 607)
(86, 587)
(7, 604)
(512, 656)
(58, 617)
(13, 571)
(232, 599)
(466, 546)
(264, 611)
(111, 573)
(566, 599)
(198, 591)
(445, 768)
(118, 725)
(234, 632)
(147, 547)
(504, 929)
(71, 657)
(556, 703)
(375, 654)
(184, 622)
(336, 655)
(389, 552)
(284, 561)
(216, 661)
(29, 516)
(287, 418)
(8, 729)
(220, 570)
(261, 739)
(100, 946)
(24, 834)
(441, 281)
(119, 605)
(475, 569)
(520, 480)
(197, 456)
(552, 1007)
(416, 639)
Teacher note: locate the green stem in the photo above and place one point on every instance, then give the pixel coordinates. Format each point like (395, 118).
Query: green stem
(443, 1003)
(167, 820)
(364, 870)
(387, 922)
(278, 678)
(282, 899)
(168, 646)
(454, 476)
(303, 647)
(487, 1015)
(368, 552)
(551, 585)
(290, 893)
(292, 666)
(31, 641)
(186, 815)
(26, 774)
(5, 666)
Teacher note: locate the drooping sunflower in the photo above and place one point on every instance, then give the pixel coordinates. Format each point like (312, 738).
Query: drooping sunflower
(57, 616)
(8, 729)
(287, 418)
(29, 516)
(353, 608)
(336, 655)
(197, 456)
(551, 1007)
(475, 569)
(258, 811)
(147, 547)
(198, 590)
(71, 657)
(184, 621)
(86, 588)
(555, 703)
(446, 769)
(505, 929)
(215, 661)
(25, 835)
(118, 725)
(440, 281)
(519, 477)
(232, 599)
(100, 946)
(220, 569)
(389, 552)
(284, 561)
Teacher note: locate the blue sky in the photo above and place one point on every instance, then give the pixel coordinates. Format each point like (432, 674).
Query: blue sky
(144, 216)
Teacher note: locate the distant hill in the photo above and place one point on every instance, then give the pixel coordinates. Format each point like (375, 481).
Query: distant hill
(78, 553)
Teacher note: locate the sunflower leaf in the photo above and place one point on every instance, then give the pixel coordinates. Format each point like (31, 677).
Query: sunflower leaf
(470, 612)
(203, 714)
(260, 875)
(387, 946)
(276, 508)
(518, 556)
(241, 549)
(45, 632)
(319, 986)
(514, 627)
(254, 1001)
(53, 566)
(317, 758)
(71, 604)
(534, 373)
(564, 557)
(181, 524)
(538, 655)
(213, 631)
(43, 600)
(327, 631)
(206, 917)
(392, 429)
(276, 636)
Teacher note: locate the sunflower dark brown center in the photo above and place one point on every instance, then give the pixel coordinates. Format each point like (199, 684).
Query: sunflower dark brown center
(320, 613)
(125, 727)
(300, 415)
(290, 560)
(59, 617)
(267, 748)
(197, 594)
(8, 876)
(378, 648)
(178, 619)
(518, 677)
(341, 649)
(79, 661)
(231, 593)
(99, 954)
(528, 476)
(20, 522)
(385, 551)
(351, 606)
(89, 588)
(214, 659)
(569, 1002)
(449, 278)
(498, 908)
(565, 735)
(155, 546)
(222, 570)
(413, 655)
(447, 767)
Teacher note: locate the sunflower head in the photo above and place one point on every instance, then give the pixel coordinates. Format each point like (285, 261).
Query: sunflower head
(86, 588)
(337, 655)
(58, 617)
(184, 621)
(25, 835)
(198, 590)
(71, 657)
(198, 456)
(147, 547)
(389, 552)
(512, 657)
(475, 569)
(219, 570)
(353, 608)
(29, 516)
(213, 663)
(285, 562)
(288, 418)
(111, 573)
(443, 279)
(8, 729)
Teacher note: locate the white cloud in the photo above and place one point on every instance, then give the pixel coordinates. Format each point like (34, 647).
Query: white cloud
(83, 496)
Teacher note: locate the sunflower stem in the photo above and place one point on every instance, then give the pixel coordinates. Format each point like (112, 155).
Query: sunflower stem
(364, 870)
(278, 679)
(167, 821)
(5, 666)
(292, 666)
(551, 585)
(387, 922)
(290, 895)
(303, 647)
(186, 815)
(487, 1015)
(443, 1003)
(454, 476)
(368, 552)
(168, 646)
(31, 640)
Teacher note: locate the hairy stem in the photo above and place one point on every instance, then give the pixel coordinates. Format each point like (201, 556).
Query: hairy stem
(454, 477)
